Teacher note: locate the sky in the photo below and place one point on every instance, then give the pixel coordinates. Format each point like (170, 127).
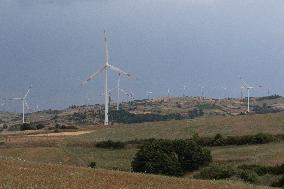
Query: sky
(54, 45)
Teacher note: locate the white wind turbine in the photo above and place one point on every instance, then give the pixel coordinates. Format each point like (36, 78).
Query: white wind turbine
(119, 90)
(24, 102)
(184, 90)
(105, 68)
(248, 88)
(169, 91)
(148, 94)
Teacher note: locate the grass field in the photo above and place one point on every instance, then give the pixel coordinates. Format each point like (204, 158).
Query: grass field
(225, 125)
(18, 174)
(56, 151)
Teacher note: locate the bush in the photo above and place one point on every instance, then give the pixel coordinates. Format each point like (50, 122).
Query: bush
(190, 154)
(58, 126)
(280, 183)
(259, 170)
(278, 170)
(170, 157)
(219, 140)
(39, 126)
(27, 126)
(216, 172)
(92, 165)
(156, 158)
(248, 176)
(111, 145)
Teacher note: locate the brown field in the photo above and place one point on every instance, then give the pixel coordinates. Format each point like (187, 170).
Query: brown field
(266, 154)
(27, 155)
(18, 174)
(206, 126)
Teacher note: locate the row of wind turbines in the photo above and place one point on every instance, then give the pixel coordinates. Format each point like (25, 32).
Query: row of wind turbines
(120, 72)
(105, 68)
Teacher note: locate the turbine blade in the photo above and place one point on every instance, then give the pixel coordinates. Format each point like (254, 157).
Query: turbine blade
(106, 48)
(122, 72)
(15, 99)
(27, 92)
(93, 75)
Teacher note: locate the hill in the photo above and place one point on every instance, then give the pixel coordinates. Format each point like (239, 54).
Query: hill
(19, 174)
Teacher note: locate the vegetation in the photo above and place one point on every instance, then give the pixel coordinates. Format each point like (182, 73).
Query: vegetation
(92, 164)
(275, 96)
(31, 126)
(265, 109)
(111, 145)
(216, 172)
(219, 140)
(170, 157)
(19, 174)
(248, 173)
(123, 116)
(208, 106)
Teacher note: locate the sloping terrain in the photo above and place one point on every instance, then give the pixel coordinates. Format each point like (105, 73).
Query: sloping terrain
(19, 174)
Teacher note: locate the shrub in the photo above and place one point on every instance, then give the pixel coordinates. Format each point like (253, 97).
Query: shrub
(92, 165)
(5, 126)
(170, 157)
(248, 176)
(27, 126)
(156, 158)
(259, 170)
(111, 144)
(190, 154)
(278, 170)
(280, 183)
(39, 126)
(216, 172)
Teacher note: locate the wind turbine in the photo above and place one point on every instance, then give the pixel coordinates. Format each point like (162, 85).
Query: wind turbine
(105, 68)
(248, 87)
(148, 94)
(169, 91)
(24, 102)
(184, 90)
(119, 90)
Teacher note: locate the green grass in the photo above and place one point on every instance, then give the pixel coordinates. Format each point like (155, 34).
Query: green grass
(180, 129)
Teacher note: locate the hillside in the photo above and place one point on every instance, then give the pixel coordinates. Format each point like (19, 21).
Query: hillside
(19, 174)
(87, 115)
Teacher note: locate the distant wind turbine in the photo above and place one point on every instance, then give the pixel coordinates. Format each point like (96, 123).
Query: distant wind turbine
(148, 94)
(24, 102)
(105, 68)
(248, 87)
(169, 91)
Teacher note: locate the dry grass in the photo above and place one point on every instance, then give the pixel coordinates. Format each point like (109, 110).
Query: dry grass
(266, 154)
(16, 174)
(225, 125)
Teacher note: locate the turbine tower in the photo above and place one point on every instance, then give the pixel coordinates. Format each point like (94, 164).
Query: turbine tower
(24, 102)
(248, 87)
(105, 68)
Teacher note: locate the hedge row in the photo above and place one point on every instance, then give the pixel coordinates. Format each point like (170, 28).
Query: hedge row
(248, 173)
(219, 140)
(123, 116)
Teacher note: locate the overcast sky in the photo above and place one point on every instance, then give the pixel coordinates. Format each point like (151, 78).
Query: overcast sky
(53, 45)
